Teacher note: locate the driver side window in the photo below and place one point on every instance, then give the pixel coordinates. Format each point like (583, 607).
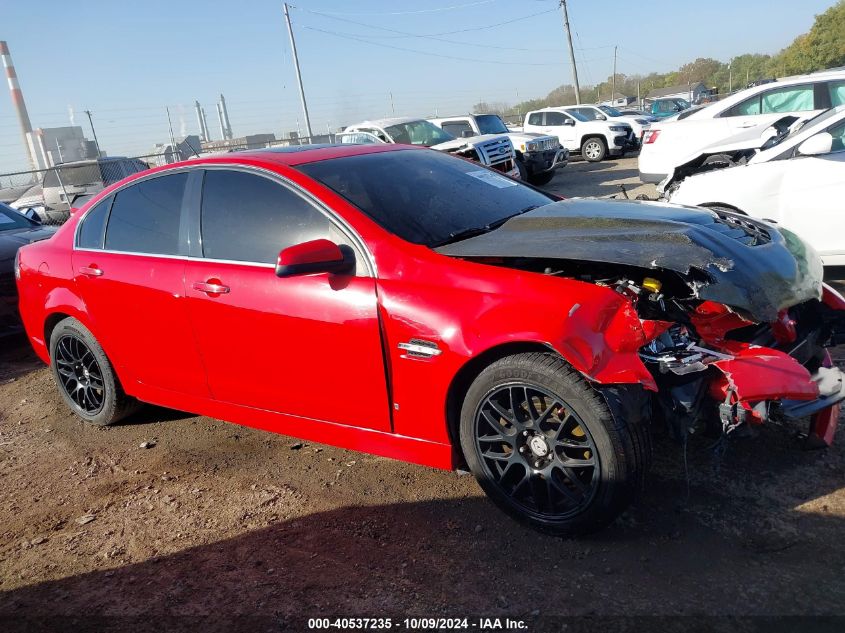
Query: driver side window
(838, 134)
(555, 118)
(249, 218)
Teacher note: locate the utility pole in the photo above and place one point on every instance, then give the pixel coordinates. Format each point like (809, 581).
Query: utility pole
(613, 79)
(172, 140)
(730, 75)
(298, 75)
(94, 132)
(571, 52)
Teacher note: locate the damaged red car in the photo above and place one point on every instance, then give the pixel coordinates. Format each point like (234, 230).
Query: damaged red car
(414, 305)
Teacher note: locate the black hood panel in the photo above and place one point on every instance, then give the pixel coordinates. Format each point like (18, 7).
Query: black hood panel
(751, 266)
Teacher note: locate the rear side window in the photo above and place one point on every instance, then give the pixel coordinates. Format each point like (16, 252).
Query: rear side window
(837, 93)
(535, 118)
(249, 218)
(93, 226)
(788, 99)
(145, 217)
(456, 128)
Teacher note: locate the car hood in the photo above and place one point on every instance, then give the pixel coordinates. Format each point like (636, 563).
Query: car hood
(459, 143)
(522, 137)
(11, 241)
(731, 259)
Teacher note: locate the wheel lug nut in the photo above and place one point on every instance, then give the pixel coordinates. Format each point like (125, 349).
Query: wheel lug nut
(521, 449)
(525, 433)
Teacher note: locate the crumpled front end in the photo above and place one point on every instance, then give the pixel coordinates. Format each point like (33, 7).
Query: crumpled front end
(720, 368)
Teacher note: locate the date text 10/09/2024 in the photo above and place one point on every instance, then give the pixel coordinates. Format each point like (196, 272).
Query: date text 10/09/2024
(417, 624)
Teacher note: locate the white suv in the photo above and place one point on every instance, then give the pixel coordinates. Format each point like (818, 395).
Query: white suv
(594, 140)
(491, 150)
(607, 113)
(667, 142)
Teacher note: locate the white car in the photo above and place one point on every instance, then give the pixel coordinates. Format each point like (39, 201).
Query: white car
(797, 181)
(667, 142)
(491, 150)
(608, 113)
(594, 140)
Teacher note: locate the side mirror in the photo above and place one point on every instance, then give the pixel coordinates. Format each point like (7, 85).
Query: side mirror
(569, 121)
(601, 117)
(316, 256)
(820, 143)
(32, 215)
(467, 133)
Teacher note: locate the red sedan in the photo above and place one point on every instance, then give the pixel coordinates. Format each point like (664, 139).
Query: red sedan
(414, 305)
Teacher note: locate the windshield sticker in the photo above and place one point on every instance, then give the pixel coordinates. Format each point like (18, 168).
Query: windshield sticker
(500, 182)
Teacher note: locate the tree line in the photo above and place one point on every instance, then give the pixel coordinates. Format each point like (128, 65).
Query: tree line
(823, 46)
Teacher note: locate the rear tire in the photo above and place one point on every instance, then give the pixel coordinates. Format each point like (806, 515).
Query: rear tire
(594, 149)
(544, 446)
(85, 377)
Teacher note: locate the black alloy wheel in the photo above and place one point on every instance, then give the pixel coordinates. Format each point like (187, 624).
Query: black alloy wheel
(80, 375)
(537, 450)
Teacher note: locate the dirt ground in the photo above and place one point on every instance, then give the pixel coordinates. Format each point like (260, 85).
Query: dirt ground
(171, 521)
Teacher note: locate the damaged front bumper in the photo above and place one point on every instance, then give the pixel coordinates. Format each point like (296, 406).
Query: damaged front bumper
(545, 161)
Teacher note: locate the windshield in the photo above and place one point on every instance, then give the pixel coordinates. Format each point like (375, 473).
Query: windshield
(578, 115)
(418, 133)
(610, 111)
(490, 124)
(424, 197)
(11, 219)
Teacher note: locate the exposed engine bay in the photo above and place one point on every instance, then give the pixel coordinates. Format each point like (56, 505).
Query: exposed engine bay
(717, 369)
(735, 319)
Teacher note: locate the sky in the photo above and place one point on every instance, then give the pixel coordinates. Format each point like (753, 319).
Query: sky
(128, 61)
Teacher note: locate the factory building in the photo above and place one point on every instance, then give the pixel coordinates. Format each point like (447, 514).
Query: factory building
(54, 145)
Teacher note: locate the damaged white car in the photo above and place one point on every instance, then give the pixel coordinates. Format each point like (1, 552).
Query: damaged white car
(796, 179)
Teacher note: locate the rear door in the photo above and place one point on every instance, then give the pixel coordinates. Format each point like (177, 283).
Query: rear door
(770, 105)
(128, 265)
(308, 346)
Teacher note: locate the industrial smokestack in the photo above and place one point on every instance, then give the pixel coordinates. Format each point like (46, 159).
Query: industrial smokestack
(226, 124)
(222, 124)
(17, 100)
(201, 121)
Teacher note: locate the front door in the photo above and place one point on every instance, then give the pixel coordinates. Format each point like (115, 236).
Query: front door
(813, 196)
(308, 346)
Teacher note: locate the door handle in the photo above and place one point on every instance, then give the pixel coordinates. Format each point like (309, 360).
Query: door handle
(91, 271)
(211, 288)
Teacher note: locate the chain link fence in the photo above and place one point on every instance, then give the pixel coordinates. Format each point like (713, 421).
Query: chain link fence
(48, 195)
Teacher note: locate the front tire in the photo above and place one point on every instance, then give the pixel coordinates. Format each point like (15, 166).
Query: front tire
(546, 449)
(542, 179)
(85, 377)
(594, 149)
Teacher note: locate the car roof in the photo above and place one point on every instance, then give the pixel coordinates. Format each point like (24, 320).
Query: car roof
(387, 122)
(298, 154)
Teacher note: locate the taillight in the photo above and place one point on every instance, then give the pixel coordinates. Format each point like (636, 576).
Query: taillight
(650, 136)
(18, 264)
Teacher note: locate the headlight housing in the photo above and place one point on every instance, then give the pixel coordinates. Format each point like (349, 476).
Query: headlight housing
(533, 146)
(618, 128)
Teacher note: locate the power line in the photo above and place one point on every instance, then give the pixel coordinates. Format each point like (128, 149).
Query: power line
(466, 30)
(427, 53)
(433, 10)
(405, 34)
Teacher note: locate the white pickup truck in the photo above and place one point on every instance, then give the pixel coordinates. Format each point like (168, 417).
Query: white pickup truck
(538, 156)
(594, 140)
(491, 150)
